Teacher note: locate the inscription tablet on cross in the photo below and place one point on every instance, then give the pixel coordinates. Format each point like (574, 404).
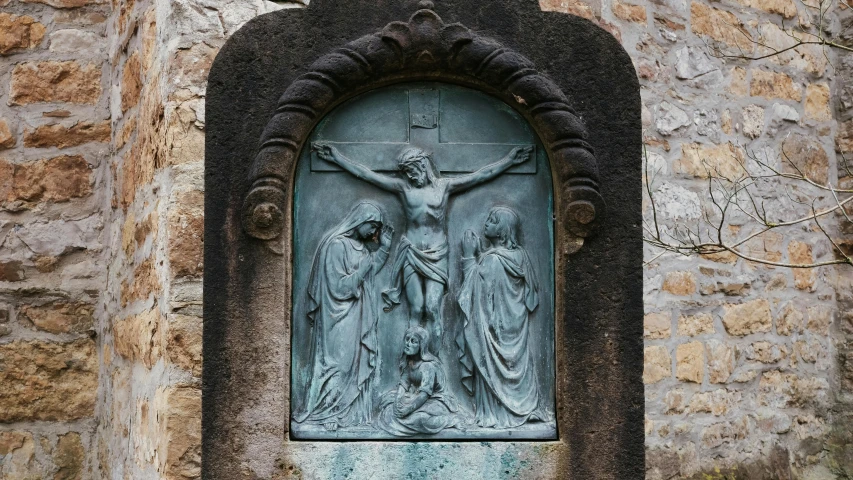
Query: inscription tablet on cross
(425, 131)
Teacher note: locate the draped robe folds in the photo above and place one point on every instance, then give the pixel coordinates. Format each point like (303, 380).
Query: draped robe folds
(440, 411)
(499, 291)
(343, 311)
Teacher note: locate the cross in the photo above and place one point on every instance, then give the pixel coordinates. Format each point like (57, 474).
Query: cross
(425, 131)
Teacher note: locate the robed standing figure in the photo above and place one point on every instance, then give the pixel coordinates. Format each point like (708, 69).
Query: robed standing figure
(342, 309)
(498, 293)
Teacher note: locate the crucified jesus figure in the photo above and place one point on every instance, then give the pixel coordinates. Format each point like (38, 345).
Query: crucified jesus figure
(421, 264)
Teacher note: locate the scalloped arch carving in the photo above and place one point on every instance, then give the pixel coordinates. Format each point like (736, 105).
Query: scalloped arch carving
(424, 48)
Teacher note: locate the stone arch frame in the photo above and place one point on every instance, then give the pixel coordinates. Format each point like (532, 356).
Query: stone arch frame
(425, 48)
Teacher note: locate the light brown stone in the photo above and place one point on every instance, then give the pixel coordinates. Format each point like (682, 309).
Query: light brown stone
(702, 161)
(786, 8)
(186, 235)
(721, 361)
(844, 137)
(777, 42)
(692, 325)
(57, 179)
(56, 135)
(779, 390)
(19, 32)
(747, 318)
(18, 451)
(48, 381)
(630, 13)
(55, 82)
(126, 132)
(184, 345)
(720, 25)
(181, 410)
(721, 257)
(790, 320)
(144, 282)
(800, 253)
(725, 432)
(717, 402)
(657, 364)
(766, 352)
(817, 102)
(138, 338)
(45, 263)
(767, 246)
(737, 84)
(60, 317)
(680, 283)
(690, 362)
(820, 319)
(753, 121)
(131, 82)
(148, 151)
(66, 3)
(12, 271)
(7, 140)
(656, 325)
(774, 85)
(69, 457)
(573, 7)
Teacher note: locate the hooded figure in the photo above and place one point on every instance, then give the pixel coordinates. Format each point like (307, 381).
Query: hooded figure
(498, 293)
(342, 309)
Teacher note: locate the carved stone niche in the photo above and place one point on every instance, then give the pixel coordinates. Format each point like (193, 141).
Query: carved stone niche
(407, 247)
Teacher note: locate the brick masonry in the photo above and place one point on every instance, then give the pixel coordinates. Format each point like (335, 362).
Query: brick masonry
(748, 368)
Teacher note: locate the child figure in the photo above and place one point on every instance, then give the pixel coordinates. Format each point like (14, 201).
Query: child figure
(420, 405)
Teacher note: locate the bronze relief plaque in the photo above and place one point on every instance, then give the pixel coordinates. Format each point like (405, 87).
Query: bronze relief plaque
(423, 299)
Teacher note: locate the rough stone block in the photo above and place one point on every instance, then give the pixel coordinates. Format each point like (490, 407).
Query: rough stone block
(7, 139)
(721, 26)
(657, 364)
(60, 317)
(184, 344)
(19, 32)
(131, 82)
(680, 283)
(657, 325)
(48, 380)
(629, 13)
(747, 318)
(139, 338)
(721, 361)
(800, 253)
(57, 179)
(67, 3)
(774, 85)
(69, 82)
(692, 325)
(144, 282)
(186, 237)
(690, 362)
(69, 457)
(817, 102)
(60, 136)
(700, 160)
(180, 407)
(786, 8)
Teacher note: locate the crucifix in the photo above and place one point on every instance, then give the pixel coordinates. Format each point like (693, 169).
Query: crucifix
(420, 270)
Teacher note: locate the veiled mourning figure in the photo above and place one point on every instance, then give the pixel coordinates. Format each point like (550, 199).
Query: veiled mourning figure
(342, 308)
(420, 404)
(498, 293)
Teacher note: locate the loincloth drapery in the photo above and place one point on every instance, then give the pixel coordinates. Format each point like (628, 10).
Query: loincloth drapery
(430, 263)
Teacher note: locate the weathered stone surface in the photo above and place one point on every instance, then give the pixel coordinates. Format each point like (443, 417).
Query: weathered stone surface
(724, 432)
(774, 85)
(83, 43)
(184, 344)
(800, 253)
(180, 407)
(66, 3)
(670, 118)
(573, 7)
(657, 364)
(720, 25)
(690, 362)
(60, 136)
(738, 85)
(630, 13)
(717, 402)
(60, 237)
(18, 451)
(11, 271)
(60, 317)
(786, 8)
(55, 82)
(143, 283)
(57, 179)
(47, 380)
(692, 325)
(131, 82)
(780, 390)
(753, 121)
(19, 32)
(186, 240)
(680, 283)
(766, 352)
(844, 137)
(721, 361)
(7, 140)
(820, 319)
(778, 41)
(747, 318)
(138, 338)
(657, 325)
(790, 320)
(817, 102)
(700, 160)
(693, 63)
(69, 457)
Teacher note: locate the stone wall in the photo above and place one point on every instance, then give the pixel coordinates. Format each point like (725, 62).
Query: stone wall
(748, 367)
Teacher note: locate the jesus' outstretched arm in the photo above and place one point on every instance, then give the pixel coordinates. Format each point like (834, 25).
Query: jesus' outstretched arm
(516, 156)
(331, 154)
